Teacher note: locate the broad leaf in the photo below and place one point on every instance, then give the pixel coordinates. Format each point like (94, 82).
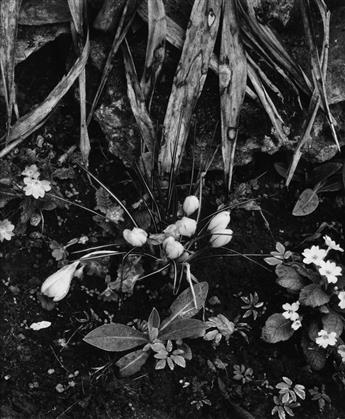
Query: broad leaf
(333, 323)
(313, 331)
(289, 278)
(132, 362)
(277, 328)
(312, 295)
(307, 203)
(324, 171)
(182, 329)
(184, 306)
(115, 337)
(315, 356)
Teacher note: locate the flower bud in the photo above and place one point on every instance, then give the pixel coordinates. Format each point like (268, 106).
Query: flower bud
(136, 237)
(58, 284)
(186, 226)
(185, 256)
(172, 230)
(219, 222)
(190, 204)
(173, 249)
(221, 238)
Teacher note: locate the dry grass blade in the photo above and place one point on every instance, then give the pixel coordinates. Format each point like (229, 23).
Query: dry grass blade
(28, 123)
(175, 35)
(315, 102)
(9, 11)
(78, 12)
(232, 84)
(137, 100)
(318, 74)
(126, 20)
(155, 50)
(189, 80)
(267, 103)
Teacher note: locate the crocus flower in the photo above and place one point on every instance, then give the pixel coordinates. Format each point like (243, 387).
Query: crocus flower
(58, 284)
(173, 249)
(136, 237)
(219, 222)
(221, 238)
(186, 226)
(330, 270)
(314, 255)
(190, 204)
(325, 339)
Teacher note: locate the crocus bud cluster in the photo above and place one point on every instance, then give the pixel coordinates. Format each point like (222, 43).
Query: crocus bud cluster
(136, 237)
(172, 248)
(220, 235)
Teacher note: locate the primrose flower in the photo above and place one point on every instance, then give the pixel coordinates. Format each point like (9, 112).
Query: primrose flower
(31, 172)
(190, 204)
(35, 187)
(341, 352)
(314, 255)
(330, 270)
(173, 249)
(296, 324)
(341, 297)
(325, 339)
(221, 238)
(332, 244)
(291, 311)
(136, 237)
(58, 284)
(219, 222)
(6, 230)
(186, 226)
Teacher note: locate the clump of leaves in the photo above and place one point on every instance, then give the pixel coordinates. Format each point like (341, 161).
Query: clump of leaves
(320, 396)
(287, 399)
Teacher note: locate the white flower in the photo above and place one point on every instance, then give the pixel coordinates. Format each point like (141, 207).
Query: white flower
(314, 255)
(291, 311)
(186, 226)
(6, 230)
(296, 324)
(40, 325)
(190, 204)
(173, 249)
(58, 284)
(35, 187)
(341, 352)
(341, 297)
(330, 270)
(31, 172)
(332, 244)
(219, 222)
(137, 237)
(324, 338)
(221, 238)
(172, 230)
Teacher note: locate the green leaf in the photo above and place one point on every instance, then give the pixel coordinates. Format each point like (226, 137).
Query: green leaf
(132, 362)
(277, 328)
(315, 356)
(312, 295)
(313, 331)
(289, 278)
(153, 324)
(182, 329)
(307, 203)
(324, 171)
(115, 337)
(183, 307)
(333, 323)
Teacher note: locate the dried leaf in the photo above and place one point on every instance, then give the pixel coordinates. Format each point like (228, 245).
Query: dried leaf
(232, 84)
(155, 50)
(189, 81)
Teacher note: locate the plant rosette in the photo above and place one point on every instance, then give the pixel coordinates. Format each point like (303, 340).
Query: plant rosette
(315, 310)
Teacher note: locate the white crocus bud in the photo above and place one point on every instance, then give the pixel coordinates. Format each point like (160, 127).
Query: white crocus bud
(186, 226)
(57, 285)
(219, 222)
(172, 231)
(220, 238)
(173, 249)
(136, 237)
(190, 204)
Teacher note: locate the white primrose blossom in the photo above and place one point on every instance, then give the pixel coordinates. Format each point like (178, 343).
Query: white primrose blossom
(325, 338)
(314, 255)
(341, 297)
(296, 324)
(35, 187)
(331, 244)
(330, 270)
(6, 230)
(31, 172)
(291, 311)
